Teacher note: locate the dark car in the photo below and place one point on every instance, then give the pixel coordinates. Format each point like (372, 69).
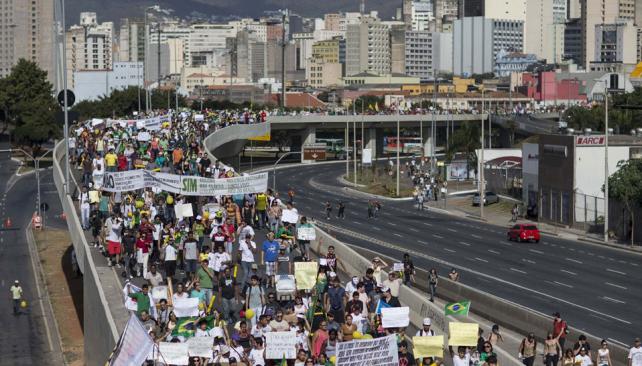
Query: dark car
(489, 198)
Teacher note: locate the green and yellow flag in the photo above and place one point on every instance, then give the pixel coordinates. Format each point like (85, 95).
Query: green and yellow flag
(458, 308)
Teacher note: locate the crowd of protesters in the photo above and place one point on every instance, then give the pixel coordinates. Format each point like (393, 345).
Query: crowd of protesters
(235, 254)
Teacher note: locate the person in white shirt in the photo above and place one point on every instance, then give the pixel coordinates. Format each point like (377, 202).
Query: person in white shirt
(425, 331)
(257, 354)
(352, 285)
(393, 283)
(85, 208)
(583, 359)
(170, 261)
(97, 176)
(219, 260)
(261, 327)
(247, 248)
(635, 354)
(154, 277)
(462, 358)
(180, 292)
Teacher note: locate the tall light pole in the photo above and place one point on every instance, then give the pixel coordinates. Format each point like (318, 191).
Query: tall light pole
(398, 144)
(354, 149)
(482, 190)
(606, 159)
(64, 87)
(345, 147)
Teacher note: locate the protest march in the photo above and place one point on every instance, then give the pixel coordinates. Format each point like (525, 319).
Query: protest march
(217, 268)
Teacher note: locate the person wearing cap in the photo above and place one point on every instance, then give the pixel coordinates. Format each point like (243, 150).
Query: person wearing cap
(425, 331)
(528, 349)
(390, 300)
(16, 296)
(635, 354)
(582, 358)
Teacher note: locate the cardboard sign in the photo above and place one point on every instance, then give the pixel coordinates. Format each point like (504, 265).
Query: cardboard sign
(291, 216)
(305, 274)
(174, 353)
(200, 346)
(306, 233)
(395, 317)
(397, 267)
(463, 334)
(279, 345)
(186, 307)
(428, 346)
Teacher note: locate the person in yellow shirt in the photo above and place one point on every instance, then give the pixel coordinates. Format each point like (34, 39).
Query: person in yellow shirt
(111, 159)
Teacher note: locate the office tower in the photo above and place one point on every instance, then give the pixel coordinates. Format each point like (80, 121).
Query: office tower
(594, 12)
(367, 47)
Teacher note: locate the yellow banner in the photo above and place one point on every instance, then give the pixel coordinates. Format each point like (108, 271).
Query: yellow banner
(463, 334)
(265, 137)
(305, 274)
(428, 346)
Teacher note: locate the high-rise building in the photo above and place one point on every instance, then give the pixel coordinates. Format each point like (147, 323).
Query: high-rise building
(422, 15)
(326, 51)
(367, 47)
(594, 12)
(428, 53)
(478, 40)
(131, 40)
(495, 9)
(543, 35)
(89, 46)
(27, 31)
(613, 43)
(638, 13)
(445, 12)
(250, 56)
(573, 9)
(398, 48)
(207, 43)
(406, 9)
(627, 9)
(560, 11)
(573, 43)
(332, 21)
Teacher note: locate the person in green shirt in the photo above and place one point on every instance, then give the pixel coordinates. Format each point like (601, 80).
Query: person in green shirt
(142, 299)
(199, 231)
(205, 276)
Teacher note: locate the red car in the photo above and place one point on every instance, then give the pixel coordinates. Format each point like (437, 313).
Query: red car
(524, 232)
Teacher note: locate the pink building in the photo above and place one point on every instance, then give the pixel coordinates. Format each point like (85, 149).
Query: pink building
(546, 87)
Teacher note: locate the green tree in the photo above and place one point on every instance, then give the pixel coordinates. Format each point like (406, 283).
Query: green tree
(466, 139)
(27, 102)
(624, 185)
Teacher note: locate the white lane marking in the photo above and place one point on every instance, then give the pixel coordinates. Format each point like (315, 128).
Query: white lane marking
(481, 260)
(450, 250)
(476, 236)
(528, 261)
(633, 264)
(517, 270)
(494, 251)
(621, 261)
(574, 260)
(392, 223)
(614, 285)
(422, 242)
(451, 229)
(535, 251)
(601, 256)
(427, 224)
(397, 234)
(356, 222)
(569, 272)
(437, 236)
(563, 284)
(413, 229)
(615, 271)
(613, 300)
(619, 342)
(376, 228)
(497, 279)
(591, 254)
(464, 243)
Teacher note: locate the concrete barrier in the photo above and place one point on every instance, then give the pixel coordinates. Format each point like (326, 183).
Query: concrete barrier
(229, 141)
(99, 326)
(351, 261)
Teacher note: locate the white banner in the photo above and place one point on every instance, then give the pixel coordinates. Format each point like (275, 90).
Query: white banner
(395, 317)
(371, 352)
(186, 307)
(173, 353)
(134, 345)
(306, 233)
(186, 185)
(200, 346)
(279, 345)
(151, 124)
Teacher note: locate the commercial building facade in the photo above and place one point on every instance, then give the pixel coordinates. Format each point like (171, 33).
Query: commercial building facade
(368, 47)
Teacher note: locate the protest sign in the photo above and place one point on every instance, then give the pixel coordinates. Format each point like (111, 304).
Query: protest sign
(183, 210)
(305, 274)
(134, 345)
(186, 185)
(395, 317)
(463, 334)
(173, 353)
(94, 197)
(397, 267)
(130, 304)
(200, 346)
(323, 262)
(428, 346)
(372, 352)
(291, 216)
(186, 307)
(279, 345)
(159, 293)
(306, 232)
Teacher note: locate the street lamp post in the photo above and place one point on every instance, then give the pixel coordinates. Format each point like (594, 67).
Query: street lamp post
(398, 144)
(65, 102)
(481, 163)
(36, 165)
(277, 162)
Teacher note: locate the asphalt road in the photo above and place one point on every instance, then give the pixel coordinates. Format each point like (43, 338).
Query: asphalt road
(597, 289)
(29, 338)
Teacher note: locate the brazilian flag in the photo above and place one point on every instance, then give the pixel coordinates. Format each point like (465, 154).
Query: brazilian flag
(458, 308)
(185, 327)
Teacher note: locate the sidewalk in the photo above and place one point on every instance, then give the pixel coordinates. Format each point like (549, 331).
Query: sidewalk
(500, 214)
